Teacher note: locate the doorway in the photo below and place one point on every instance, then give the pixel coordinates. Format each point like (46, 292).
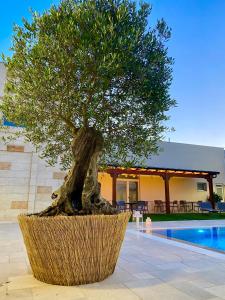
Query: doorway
(127, 190)
(220, 191)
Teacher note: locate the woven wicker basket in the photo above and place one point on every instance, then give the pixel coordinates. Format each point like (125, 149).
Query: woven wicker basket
(73, 250)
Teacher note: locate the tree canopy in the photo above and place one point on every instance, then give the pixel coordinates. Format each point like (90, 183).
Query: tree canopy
(90, 63)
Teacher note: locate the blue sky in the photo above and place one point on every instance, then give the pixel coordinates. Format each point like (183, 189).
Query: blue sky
(198, 47)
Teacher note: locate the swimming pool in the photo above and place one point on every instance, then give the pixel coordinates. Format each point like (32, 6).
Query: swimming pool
(212, 238)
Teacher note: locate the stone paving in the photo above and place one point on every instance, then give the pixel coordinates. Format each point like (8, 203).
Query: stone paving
(147, 269)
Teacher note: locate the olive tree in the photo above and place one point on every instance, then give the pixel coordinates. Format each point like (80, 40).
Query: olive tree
(89, 83)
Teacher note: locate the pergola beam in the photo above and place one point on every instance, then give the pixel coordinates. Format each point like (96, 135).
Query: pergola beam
(133, 171)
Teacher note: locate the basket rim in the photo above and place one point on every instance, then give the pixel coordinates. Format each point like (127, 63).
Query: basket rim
(100, 216)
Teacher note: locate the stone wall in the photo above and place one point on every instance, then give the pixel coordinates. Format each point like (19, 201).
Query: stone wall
(26, 182)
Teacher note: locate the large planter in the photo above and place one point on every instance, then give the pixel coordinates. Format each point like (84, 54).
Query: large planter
(73, 250)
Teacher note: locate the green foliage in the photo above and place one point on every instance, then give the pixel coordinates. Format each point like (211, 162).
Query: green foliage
(216, 197)
(90, 63)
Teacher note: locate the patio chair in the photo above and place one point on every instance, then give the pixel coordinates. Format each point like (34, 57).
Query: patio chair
(174, 205)
(158, 206)
(183, 205)
(221, 206)
(142, 206)
(121, 205)
(206, 206)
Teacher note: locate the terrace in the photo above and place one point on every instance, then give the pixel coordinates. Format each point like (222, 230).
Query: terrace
(166, 174)
(149, 267)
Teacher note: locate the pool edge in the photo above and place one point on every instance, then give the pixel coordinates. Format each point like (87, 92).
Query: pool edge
(180, 244)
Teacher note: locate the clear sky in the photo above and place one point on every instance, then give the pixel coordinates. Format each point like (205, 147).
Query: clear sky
(198, 47)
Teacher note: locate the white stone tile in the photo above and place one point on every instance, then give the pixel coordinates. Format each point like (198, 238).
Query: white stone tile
(147, 269)
(15, 259)
(121, 276)
(218, 291)
(17, 268)
(199, 282)
(47, 292)
(143, 275)
(23, 282)
(107, 291)
(4, 259)
(159, 291)
(20, 294)
(3, 290)
(171, 266)
(192, 290)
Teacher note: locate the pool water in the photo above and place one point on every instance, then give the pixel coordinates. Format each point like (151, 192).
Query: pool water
(213, 237)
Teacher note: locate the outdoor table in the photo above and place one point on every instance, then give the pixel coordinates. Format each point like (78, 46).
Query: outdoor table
(192, 203)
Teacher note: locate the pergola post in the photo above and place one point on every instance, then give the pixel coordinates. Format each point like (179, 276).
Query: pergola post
(166, 179)
(210, 184)
(114, 177)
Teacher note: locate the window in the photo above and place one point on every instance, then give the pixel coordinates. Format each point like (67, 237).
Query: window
(201, 186)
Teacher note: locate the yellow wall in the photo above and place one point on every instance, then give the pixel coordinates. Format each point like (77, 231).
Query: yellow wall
(152, 188)
(106, 185)
(186, 189)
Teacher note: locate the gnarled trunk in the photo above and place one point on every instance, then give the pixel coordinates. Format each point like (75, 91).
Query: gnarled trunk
(80, 192)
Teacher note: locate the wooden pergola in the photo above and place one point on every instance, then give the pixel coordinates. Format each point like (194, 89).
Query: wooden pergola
(166, 174)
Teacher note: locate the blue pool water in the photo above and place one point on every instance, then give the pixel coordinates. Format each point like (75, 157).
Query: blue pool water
(213, 237)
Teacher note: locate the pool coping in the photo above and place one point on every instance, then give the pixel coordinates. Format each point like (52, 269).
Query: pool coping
(180, 244)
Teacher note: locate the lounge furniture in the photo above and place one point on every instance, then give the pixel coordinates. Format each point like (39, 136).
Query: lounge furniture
(158, 206)
(206, 206)
(221, 206)
(174, 206)
(196, 206)
(142, 206)
(121, 205)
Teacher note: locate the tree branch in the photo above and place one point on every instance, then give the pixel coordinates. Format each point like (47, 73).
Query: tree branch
(69, 123)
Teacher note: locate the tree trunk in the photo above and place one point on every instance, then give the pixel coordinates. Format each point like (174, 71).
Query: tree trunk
(80, 192)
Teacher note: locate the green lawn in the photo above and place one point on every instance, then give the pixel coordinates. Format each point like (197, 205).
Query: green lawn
(185, 216)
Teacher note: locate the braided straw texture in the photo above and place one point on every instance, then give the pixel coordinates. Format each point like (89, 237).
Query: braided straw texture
(73, 250)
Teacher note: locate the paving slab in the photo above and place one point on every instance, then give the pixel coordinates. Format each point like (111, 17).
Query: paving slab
(147, 269)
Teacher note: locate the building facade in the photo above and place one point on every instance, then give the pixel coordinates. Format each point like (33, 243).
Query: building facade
(180, 171)
(189, 168)
(27, 182)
